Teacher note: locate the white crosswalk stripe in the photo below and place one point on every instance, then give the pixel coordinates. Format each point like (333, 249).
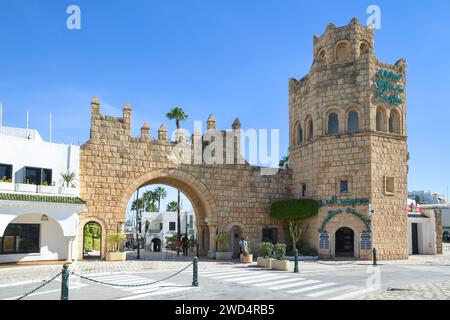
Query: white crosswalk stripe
(282, 282)
(156, 289)
(330, 291)
(319, 286)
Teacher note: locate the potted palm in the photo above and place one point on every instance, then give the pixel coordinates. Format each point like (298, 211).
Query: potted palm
(281, 262)
(69, 188)
(115, 250)
(223, 246)
(266, 249)
(6, 184)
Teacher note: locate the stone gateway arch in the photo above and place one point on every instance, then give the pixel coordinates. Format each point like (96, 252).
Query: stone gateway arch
(113, 165)
(347, 150)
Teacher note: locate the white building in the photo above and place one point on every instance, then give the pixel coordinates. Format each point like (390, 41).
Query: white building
(162, 225)
(38, 212)
(435, 201)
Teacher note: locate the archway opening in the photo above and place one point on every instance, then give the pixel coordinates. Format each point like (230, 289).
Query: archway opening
(446, 237)
(235, 236)
(162, 218)
(345, 243)
(92, 241)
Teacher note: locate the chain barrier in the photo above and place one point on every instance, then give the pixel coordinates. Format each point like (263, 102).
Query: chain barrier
(40, 286)
(131, 285)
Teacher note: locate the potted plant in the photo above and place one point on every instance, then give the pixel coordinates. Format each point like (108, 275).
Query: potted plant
(281, 262)
(115, 250)
(223, 246)
(45, 188)
(6, 184)
(246, 256)
(26, 187)
(69, 188)
(266, 249)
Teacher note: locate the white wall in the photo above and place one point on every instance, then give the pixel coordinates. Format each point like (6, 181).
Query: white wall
(53, 244)
(21, 153)
(426, 229)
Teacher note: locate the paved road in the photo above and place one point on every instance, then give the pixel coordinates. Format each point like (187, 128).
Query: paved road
(234, 282)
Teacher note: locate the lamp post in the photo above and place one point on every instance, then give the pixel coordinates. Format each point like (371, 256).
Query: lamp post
(138, 225)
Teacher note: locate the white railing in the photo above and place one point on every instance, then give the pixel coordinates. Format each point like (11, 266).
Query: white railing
(31, 188)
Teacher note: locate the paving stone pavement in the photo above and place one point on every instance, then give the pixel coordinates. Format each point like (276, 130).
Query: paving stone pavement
(434, 290)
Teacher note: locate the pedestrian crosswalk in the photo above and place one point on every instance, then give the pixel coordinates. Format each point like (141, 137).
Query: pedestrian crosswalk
(293, 284)
(137, 288)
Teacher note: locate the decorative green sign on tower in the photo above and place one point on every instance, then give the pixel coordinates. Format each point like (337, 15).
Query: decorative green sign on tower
(387, 87)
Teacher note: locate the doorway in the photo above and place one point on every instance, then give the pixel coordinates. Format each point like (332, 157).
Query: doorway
(156, 245)
(236, 234)
(345, 243)
(92, 241)
(415, 238)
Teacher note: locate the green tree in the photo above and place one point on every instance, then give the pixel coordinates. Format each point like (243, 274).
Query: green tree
(149, 198)
(177, 114)
(160, 193)
(172, 206)
(137, 204)
(284, 162)
(292, 211)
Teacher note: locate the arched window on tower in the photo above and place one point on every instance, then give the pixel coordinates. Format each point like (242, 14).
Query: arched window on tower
(394, 122)
(300, 134)
(363, 48)
(380, 119)
(297, 134)
(342, 51)
(353, 122)
(309, 128)
(333, 124)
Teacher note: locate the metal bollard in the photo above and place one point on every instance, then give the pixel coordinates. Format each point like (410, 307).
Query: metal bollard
(296, 262)
(374, 256)
(197, 250)
(195, 279)
(65, 283)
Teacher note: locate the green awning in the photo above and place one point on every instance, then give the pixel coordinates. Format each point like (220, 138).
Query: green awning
(40, 198)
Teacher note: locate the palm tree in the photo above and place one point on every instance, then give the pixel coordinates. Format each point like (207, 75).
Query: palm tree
(177, 114)
(284, 162)
(137, 204)
(149, 198)
(160, 193)
(172, 206)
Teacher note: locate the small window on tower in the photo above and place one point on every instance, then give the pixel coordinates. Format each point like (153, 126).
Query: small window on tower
(303, 190)
(389, 185)
(343, 186)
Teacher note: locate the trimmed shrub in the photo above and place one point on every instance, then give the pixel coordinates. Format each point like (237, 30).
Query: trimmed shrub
(280, 251)
(294, 209)
(266, 249)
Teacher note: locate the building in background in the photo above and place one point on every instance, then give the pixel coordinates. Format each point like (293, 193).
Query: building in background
(163, 225)
(435, 201)
(38, 211)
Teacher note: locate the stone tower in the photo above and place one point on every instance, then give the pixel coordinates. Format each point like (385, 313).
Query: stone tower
(348, 146)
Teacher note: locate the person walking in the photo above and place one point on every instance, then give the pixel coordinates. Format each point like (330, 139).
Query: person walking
(185, 243)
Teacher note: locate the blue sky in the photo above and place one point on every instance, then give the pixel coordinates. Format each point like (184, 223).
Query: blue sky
(229, 57)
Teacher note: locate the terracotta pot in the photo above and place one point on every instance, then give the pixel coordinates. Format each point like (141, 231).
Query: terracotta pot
(282, 265)
(224, 255)
(264, 262)
(247, 258)
(116, 256)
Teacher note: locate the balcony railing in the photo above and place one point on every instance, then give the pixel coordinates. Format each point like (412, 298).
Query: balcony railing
(31, 188)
